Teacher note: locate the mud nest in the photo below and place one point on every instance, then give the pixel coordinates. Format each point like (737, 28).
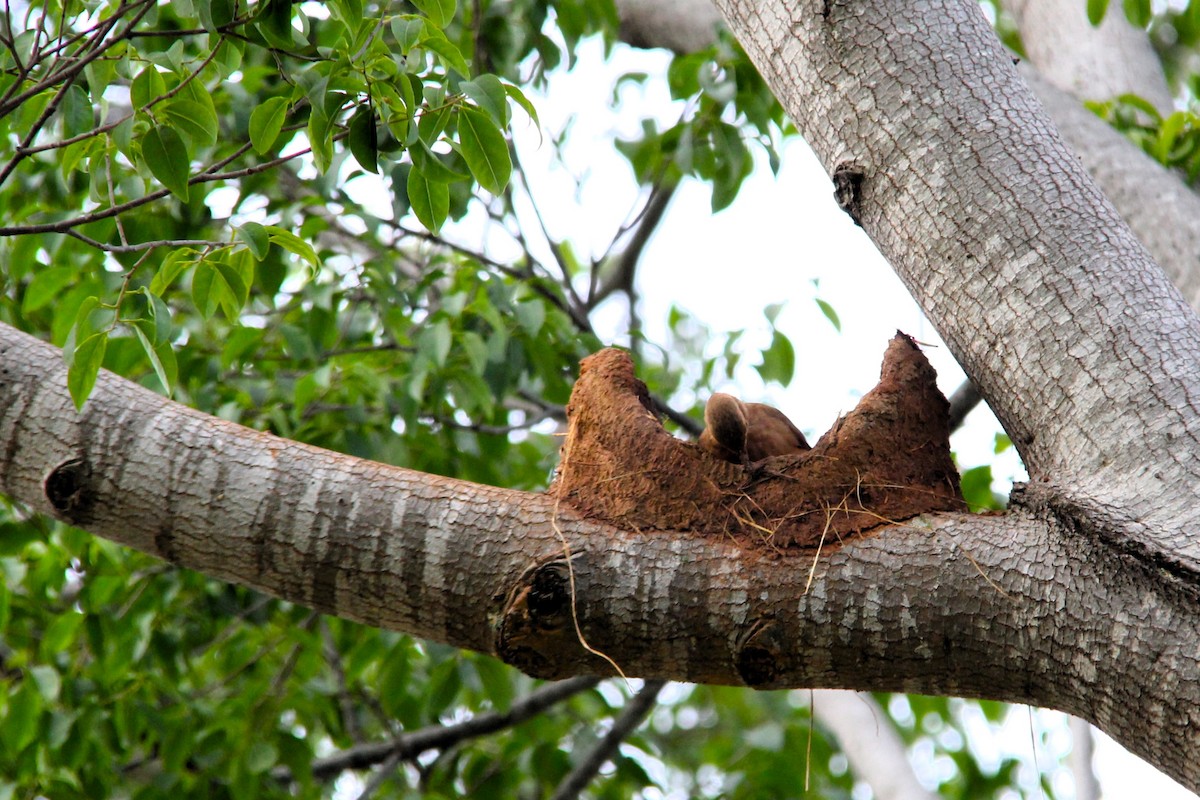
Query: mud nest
(886, 461)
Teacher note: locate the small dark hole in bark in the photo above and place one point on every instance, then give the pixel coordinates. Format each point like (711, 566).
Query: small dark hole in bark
(65, 486)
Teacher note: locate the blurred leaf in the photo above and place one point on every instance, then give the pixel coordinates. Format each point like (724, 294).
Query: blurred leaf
(1138, 12)
(779, 360)
(440, 12)
(830, 314)
(1096, 9)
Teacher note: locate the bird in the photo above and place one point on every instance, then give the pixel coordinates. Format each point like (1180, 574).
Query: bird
(742, 433)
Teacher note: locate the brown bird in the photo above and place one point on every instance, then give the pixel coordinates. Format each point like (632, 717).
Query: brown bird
(744, 432)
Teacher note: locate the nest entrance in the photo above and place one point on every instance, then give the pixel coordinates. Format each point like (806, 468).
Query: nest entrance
(888, 460)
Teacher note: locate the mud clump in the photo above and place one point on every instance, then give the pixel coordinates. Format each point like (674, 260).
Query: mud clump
(886, 461)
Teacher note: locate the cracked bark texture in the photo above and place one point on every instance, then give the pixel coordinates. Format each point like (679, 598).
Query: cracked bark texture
(1004, 607)
(1083, 598)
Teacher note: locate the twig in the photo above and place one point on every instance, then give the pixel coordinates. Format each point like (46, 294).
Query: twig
(631, 716)
(410, 745)
(621, 277)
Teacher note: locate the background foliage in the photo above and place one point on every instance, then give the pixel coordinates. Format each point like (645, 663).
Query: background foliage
(191, 195)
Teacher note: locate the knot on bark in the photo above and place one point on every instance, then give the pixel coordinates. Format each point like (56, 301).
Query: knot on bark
(536, 631)
(886, 461)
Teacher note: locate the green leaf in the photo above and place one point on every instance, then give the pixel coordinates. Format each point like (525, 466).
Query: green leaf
(779, 360)
(293, 244)
(450, 55)
(160, 318)
(84, 366)
(830, 314)
(1096, 10)
(167, 158)
(237, 269)
(431, 166)
(78, 113)
(215, 14)
(206, 288)
(156, 363)
(408, 31)
(266, 122)
(1138, 12)
(47, 680)
(484, 149)
(976, 486)
(257, 240)
(260, 757)
(147, 86)
(364, 139)
(440, 12)
(429, 200)
(531, 315)
(196, 121)
(21, 720)
(173, 265)
(434, 342)
(488, 93)
(59, 635)
(523, 101)
(45, 286)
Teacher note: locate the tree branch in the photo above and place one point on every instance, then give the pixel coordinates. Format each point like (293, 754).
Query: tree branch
(993, 606)
(631, 716)
(436, 737)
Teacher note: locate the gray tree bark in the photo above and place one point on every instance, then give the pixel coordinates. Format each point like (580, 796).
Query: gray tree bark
(1091, 63)
(1083, 597)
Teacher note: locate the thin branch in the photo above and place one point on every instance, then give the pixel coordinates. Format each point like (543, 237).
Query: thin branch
(334, 659)
(140, 246)
(621, 277)
(76, 66)
(962, 403)
(555, 247)
(382, 774)
(64, 226)
(410, 745)
(631, 716)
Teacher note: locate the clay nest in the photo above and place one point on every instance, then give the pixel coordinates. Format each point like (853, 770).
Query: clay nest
(886, 461)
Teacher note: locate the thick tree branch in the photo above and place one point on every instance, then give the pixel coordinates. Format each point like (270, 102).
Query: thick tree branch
(1090, 62)
(1001, 607)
